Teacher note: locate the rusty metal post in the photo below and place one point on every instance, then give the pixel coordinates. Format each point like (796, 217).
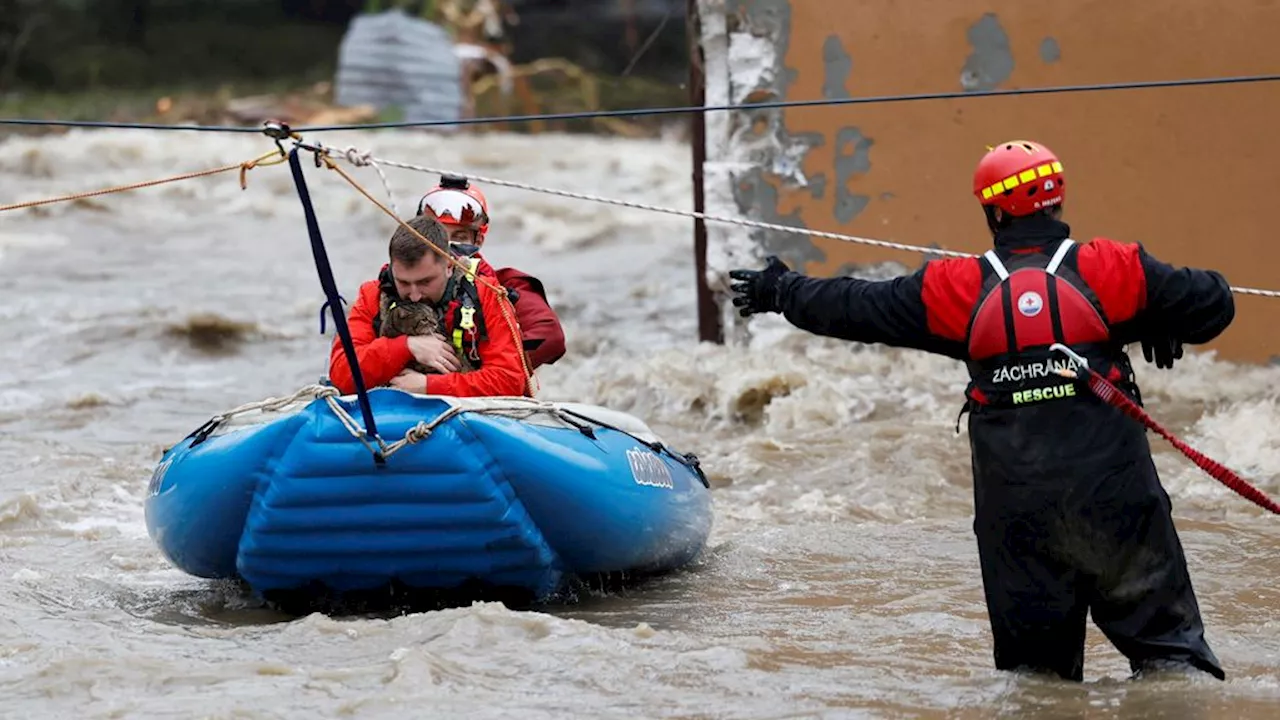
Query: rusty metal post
(710, 328)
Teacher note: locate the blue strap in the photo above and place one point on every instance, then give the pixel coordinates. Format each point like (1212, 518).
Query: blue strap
(334, 300)
(324, 307)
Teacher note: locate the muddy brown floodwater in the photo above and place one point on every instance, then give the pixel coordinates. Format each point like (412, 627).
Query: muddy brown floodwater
(841, 579)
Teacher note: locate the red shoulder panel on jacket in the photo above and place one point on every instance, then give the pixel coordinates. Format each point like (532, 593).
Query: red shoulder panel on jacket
(950, 290)
(1113, 270)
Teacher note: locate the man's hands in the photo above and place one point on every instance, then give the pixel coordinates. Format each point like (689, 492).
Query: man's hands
(1163, 349)
(410, 381)
(757, 290)
(433, 352)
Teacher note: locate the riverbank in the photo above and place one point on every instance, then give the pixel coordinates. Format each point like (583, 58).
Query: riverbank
(560, 87)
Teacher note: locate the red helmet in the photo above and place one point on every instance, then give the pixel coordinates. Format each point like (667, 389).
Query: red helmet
(454, 207)
(1019, 177)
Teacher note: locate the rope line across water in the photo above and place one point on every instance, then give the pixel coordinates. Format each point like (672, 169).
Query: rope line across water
(360, 158)
(674, 110)
(243, 167)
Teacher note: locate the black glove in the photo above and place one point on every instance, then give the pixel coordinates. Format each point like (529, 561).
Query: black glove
(1163, 348)
(758, 291)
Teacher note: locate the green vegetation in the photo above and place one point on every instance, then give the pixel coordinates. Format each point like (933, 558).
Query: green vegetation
(187, 60)
(62, 46)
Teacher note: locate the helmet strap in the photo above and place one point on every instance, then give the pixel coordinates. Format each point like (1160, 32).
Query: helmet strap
(992, 224)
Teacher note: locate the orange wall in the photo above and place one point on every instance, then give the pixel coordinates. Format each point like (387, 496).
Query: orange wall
(1190, 172)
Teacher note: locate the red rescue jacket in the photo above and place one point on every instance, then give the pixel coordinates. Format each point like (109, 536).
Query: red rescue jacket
(543, 335)
(492, 342)
(539, 325)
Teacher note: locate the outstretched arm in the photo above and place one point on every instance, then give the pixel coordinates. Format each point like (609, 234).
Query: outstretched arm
(901, 312)
(1196, 305)
(1152, 302)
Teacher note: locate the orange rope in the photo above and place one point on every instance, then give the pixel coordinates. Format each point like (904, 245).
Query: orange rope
(503, 301)
(243, 167)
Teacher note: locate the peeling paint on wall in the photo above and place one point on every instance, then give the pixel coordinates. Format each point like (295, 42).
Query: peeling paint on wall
(1049, 50)
(903, 171)
(991, 61)
(750, 154)
(837, 65)
(852, 157)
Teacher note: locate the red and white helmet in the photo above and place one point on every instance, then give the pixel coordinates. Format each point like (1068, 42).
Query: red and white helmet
(1019, 177)
(455, 204)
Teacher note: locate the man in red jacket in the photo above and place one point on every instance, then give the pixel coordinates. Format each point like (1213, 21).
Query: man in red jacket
(474, 319)
(464, 211)
(1070, 516)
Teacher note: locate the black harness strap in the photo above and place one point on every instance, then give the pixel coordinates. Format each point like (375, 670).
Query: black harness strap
(334, 302)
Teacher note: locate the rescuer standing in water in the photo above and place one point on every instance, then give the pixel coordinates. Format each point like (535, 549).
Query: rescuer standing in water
(1070, 515)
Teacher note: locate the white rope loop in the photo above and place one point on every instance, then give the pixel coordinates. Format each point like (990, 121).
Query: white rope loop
(330, 394)
(357, 157)
(362, 158)
(273, 404)
(414, 435)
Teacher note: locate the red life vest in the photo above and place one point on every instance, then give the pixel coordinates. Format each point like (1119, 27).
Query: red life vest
(1027, 303)
(462, 319)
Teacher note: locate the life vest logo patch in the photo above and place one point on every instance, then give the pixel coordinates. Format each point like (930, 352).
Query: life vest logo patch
(1030, 303)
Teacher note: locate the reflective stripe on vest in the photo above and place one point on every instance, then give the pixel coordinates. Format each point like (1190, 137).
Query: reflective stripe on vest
(1052, 268)
(467, 317)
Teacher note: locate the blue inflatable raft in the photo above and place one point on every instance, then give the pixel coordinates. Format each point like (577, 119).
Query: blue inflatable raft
(508, 494)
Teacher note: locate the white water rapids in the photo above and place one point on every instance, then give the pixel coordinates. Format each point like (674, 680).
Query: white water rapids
(841, 580)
